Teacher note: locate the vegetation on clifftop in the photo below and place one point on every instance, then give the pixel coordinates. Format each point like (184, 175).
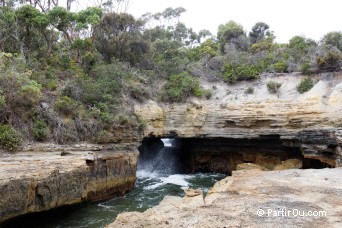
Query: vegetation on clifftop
(73, 76)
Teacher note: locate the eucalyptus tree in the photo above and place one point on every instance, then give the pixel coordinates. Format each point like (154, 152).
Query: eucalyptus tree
(32, 29)
(120, 36)
(333, 39)
(232, 33)
(260, 31)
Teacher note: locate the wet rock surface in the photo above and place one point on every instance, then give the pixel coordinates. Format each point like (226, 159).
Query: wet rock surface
(252, 198)
(42, 177)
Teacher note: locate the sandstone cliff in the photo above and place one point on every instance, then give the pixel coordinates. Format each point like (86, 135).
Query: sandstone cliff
(252, 199)
(311, 121)
(48, 176)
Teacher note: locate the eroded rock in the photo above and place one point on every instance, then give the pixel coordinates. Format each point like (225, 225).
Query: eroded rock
(253, 199)
(289, 164)
(192, 192)
(310, 122)
(250, 166)
(39, 181)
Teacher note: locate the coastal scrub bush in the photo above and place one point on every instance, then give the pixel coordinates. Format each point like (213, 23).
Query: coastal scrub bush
(329, 59)
(240, 72)
(10, 139)
(305, 85)
(273, 87)
(104, 86)
(66, 105)
(142, 124)
(305, 68)
(30, 93)
(19, 90)
(208, 93)
(249, 90)
(40, 130)
(279, 66)
(139, 93)
(181, 86)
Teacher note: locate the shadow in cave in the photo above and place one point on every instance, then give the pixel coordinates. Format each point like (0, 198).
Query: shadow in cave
(163, 156)
(221, 155)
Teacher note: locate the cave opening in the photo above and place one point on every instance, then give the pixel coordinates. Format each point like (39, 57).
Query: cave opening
(163, 155)
(222, 155)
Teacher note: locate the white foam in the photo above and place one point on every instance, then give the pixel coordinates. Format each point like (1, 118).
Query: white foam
(154, 186)
(146, 174)
(105, 206)
(176, 179)
(168, 142)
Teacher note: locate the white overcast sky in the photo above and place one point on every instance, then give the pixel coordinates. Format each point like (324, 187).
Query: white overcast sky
(287, 18)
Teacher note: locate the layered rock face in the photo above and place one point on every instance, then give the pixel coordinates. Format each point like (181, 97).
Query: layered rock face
(310, 122)
(48, 176)
(288, 198)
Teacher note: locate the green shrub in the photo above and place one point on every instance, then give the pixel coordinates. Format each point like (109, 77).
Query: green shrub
(305, 68)
(66, 105)
(40, 130)
(181, 86)
(102, 107)
(31, 93)
(142, 124)
(305, 85)
(260, 46)
(198, 92)
(273, 87)
(51, 85)
(2, 101)
(208, 93)
(240, 72)
(249, 90)
(19, 90)
(106, 117)
(10, 139)
(279, 67)
(139, 93)
(123, 119)
(104, 86)
(329, 60)
(229, 74)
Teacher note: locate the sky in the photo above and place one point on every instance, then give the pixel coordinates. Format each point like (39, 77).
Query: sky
(287, 18)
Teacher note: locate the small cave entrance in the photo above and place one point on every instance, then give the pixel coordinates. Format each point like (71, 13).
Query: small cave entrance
(222, 155)
(163, 155)
(309, 163)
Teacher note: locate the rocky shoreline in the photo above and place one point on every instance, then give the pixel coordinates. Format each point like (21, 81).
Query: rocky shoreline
(218, 135)
(47, 176)
(252, 198)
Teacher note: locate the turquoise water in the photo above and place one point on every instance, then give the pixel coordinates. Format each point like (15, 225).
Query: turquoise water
(149, 190)
(157, 176)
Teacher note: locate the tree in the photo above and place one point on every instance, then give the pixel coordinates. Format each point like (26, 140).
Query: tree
(170, 14)
(44, 5)
(231, 33)
(8, 34)
(329, 58)
(208, 48)
(333, 39)
(32, 25)
(120, 36)
(17, 89)
(62, 20)
(259, 32)
(300, 49)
